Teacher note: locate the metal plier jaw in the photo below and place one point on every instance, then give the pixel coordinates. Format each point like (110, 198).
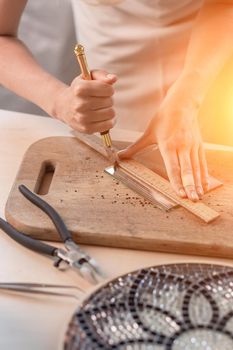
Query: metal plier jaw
(74, 257)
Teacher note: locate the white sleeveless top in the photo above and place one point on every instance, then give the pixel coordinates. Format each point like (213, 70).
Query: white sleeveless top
(143, 42)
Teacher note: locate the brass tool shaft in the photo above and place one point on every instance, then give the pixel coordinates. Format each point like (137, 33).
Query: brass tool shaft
(107, 141)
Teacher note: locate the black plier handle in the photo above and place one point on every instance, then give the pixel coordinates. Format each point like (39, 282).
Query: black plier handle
(50, 211)
(72, 256)
(26, 240)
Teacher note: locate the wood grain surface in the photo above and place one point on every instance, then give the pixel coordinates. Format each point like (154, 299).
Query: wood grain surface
(99, 210)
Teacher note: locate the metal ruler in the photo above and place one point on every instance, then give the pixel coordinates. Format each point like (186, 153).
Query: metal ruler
(144, 190)
(150, 184)
(140, 187)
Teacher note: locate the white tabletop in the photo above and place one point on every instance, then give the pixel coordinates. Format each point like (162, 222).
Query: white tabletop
(38, 323)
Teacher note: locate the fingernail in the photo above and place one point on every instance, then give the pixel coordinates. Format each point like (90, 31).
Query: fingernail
(122, 154)
(207, 186)
(194, 196)
(182, 193)
(200, 191)
(111, 76)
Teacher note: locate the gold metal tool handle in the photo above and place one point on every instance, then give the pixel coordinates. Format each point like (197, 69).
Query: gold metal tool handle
(81, 57)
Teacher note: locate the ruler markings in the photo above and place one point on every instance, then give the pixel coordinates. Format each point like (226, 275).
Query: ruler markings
(162, 185)
(150, 178)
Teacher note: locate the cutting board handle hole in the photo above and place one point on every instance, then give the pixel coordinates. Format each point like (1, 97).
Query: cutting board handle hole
(45, 178)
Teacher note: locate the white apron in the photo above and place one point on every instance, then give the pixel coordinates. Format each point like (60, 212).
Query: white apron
(143, 42)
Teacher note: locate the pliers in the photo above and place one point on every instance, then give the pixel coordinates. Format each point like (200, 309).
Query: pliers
(73, 256)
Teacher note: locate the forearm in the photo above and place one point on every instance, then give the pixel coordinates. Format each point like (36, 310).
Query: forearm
(210, 47)
(20, 73)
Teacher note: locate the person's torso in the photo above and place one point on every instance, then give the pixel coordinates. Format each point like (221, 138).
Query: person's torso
(143, 42)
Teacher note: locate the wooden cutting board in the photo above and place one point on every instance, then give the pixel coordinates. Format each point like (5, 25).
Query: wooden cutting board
(99, 210)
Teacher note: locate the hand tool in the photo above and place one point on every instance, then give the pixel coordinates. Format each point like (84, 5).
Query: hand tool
(73, 256)
(56, 290)
(150, 194)
(130, 169)
(151, 185)
(107, 141)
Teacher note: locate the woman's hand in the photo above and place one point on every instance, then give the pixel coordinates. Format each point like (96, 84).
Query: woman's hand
(175, 129)
(87, 105)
